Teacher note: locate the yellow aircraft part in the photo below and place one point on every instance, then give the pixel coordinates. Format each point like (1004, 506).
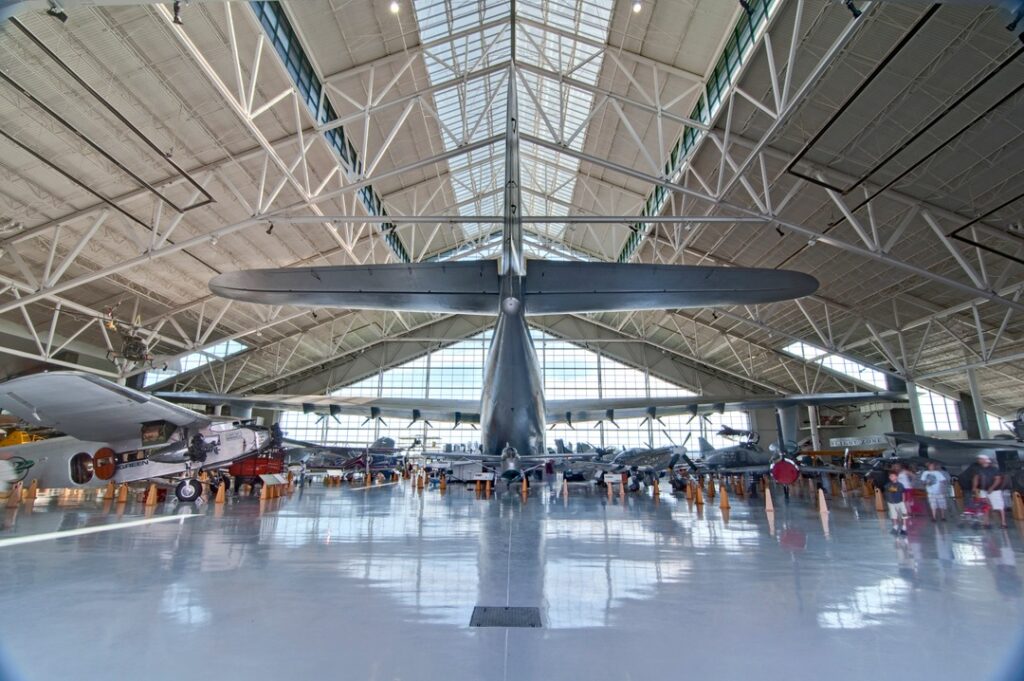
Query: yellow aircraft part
(19, 437)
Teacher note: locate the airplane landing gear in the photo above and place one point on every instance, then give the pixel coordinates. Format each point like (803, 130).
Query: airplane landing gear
(188, 490)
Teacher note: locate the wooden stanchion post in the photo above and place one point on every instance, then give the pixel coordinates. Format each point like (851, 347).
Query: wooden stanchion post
(122, 493)
(151, 495)
(879, 502)
(769, 505)
(15, 497)
(108, 493)
(1018, 506)
(724, 502)
(698, 497)
(31, 492)
(822, 502)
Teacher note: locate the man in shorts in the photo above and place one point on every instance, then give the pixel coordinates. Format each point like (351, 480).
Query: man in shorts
(988, 484)
(897, 507)
(936, 483)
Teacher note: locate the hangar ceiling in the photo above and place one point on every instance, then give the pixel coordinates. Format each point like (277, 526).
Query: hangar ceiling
(876, 154)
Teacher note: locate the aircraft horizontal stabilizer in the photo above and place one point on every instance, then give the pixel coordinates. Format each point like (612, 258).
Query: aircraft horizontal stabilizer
(449, 288)
(554, 287)
(550, 287)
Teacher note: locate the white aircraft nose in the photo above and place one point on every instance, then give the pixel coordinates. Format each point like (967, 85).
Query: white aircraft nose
(510, 305)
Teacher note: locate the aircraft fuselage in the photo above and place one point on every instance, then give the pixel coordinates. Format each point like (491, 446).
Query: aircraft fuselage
(512, 403)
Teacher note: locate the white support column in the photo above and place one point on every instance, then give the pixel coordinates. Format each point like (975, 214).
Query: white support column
(812, 416)
(979, 404)
(915, 408)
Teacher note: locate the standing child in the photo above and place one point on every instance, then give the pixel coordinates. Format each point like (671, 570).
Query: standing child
(936, 483)
(897, 507)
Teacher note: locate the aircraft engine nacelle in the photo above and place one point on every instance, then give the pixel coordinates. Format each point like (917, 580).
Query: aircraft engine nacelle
(906, 450)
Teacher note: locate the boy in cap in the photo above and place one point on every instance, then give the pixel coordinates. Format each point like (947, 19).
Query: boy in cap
(897, 507)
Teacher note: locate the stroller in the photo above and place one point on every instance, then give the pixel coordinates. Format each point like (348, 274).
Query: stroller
(975, 511)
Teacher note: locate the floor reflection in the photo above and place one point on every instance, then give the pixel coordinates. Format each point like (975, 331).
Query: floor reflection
(416, 563)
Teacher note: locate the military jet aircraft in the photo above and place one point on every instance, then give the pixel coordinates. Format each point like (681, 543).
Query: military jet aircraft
(746, 452)
(116, 434)
(382, 454)
(748, 457)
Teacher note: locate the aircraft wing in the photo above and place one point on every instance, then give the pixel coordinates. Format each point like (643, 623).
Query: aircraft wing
(414, 409)
(939, 443)
(88, 407)
(558, 411)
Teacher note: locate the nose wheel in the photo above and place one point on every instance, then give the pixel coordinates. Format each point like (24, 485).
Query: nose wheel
(188, 490)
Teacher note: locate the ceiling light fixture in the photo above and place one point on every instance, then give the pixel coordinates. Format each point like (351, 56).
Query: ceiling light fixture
(637, 7)
(394, 7)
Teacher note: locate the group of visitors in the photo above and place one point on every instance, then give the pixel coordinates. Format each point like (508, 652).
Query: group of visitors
(986, 484)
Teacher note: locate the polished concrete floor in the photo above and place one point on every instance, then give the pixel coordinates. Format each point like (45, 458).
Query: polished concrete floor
(381, 583)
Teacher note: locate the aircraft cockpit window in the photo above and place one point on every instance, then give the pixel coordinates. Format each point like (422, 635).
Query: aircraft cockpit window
(81, 468)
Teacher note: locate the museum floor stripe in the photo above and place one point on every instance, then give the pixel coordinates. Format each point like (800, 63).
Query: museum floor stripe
(45, 536)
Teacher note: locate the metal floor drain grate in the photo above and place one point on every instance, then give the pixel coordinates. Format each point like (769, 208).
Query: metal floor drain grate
(505, 616)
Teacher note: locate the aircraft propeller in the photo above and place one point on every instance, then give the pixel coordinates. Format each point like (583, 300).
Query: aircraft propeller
(374, 416)
(652, 414)
(609, 415)
(418, 416)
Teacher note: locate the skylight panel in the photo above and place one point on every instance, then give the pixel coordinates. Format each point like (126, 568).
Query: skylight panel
(841, 365)
(194, 360)
(549, 109)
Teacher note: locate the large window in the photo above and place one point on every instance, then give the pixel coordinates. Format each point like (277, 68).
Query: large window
(995, 425)
(569, 371)
(840, 365)
(193, 360)
(938, 412)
